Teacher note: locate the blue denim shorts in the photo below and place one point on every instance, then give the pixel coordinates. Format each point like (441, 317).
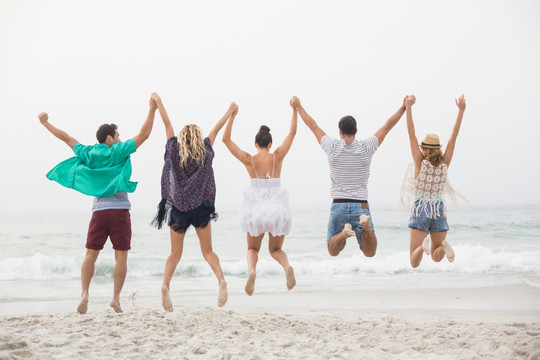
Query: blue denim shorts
(425, 224)
(343, 213)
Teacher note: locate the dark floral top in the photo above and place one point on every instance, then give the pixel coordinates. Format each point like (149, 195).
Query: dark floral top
(186, 188)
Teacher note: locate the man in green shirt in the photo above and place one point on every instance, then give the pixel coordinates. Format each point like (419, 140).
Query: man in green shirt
(102, 170)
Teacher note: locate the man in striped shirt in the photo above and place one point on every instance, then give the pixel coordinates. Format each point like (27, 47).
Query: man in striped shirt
(349, 161)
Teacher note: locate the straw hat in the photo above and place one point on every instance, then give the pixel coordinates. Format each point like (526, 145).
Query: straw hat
(431, 141)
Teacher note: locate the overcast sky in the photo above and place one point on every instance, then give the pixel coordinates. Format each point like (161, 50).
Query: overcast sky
(93, 62)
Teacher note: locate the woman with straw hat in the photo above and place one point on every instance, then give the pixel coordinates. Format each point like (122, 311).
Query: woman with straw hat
(430, 185)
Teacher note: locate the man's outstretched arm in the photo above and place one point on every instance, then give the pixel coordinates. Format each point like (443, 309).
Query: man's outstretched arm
(308, 120)
(146, 128)
(61, 134)
(390, 123)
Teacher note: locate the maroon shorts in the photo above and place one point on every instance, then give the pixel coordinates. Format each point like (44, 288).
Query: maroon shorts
(113, 223)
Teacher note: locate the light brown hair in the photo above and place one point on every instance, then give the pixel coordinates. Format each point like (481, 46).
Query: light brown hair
(434, 156)
(191, 145)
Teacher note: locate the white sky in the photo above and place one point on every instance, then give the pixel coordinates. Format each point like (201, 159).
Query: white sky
(93, 62)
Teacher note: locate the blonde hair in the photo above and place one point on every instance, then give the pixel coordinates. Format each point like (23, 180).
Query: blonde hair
(191, 145)
(434, 156)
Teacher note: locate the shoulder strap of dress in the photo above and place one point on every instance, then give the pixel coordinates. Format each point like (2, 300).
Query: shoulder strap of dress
(252, 164)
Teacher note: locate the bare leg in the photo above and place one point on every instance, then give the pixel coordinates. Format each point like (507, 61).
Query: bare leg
(368, 243)
(274, 246)
(416, 250)
(119, 275)
(177, 246)
(338, 241)
(439, 245)
(87, 272)
(205, 240)
(254, 245)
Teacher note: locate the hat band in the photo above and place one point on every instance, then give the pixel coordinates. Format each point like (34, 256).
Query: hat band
(429, 145)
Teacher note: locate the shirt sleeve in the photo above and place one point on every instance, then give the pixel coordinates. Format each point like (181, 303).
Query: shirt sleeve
(326, 143)
(126, 148)
(81, 151)
(372, 143)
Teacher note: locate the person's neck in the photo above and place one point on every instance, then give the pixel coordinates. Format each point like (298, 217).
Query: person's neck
(348, 139)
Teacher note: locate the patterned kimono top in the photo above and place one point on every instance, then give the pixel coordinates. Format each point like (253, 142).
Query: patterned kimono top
(186, 188)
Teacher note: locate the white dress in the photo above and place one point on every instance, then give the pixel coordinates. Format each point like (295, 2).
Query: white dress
(266, 207)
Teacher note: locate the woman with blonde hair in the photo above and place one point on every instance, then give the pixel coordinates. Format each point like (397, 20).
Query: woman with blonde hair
(265, 208)
(429, 186)
(188, 192)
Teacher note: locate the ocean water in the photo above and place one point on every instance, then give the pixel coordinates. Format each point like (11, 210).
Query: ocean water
(41, 257)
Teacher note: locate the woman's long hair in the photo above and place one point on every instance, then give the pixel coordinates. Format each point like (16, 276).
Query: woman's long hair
(191, 145)
(434, 156)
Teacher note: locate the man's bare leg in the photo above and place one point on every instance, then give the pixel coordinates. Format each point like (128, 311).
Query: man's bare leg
(119, 275)
(368, 243)
(87, 272)
(338, 241)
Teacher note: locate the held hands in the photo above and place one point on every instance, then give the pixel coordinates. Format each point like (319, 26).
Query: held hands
(409, 101)
(233, 108)
(461, 103)
(295, 102)
(43, 117)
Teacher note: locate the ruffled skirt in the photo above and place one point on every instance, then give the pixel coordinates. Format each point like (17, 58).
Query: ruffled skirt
(266, 208)
(180, 221)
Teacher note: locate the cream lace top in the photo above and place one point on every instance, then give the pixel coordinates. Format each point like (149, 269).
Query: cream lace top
(427, 192)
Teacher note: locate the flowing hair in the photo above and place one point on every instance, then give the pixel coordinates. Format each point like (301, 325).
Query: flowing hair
(191, 145)
(434, 156)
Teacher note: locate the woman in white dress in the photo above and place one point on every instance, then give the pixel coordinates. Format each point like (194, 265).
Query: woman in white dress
(265, 208)
(428, 221)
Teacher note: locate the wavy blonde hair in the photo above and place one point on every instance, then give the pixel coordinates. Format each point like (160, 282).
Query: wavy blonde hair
(191, 145)
(434, 156)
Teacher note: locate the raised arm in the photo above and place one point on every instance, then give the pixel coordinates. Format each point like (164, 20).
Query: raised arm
(213, 133)
(390, 123)
(449, 153)
(284, 148)
(238, 153)
(169, 130)
(62, 135)
(308, 120)
(146, 128)
(415, 150)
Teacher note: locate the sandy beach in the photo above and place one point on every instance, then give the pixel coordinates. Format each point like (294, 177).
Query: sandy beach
(490, 323)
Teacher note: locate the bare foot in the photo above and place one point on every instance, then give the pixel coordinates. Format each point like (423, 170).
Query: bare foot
(348, 231)
(83, 305)
(166, 299)
(222, 297)
(364, 222)
(291, 281)
(250, 284)
(450, 255)
(425, 245)
(116, 306)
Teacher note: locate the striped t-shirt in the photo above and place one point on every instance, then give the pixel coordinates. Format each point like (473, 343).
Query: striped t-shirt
(349, 166)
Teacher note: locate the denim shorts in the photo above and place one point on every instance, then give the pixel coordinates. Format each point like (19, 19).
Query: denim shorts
(425, 224)
(343, 213)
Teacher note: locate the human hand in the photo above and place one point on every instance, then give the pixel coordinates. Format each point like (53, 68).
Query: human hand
(295, 102)
(461, 103)
(233, 108)
(43, 117)
(155, 97)
(410, 100)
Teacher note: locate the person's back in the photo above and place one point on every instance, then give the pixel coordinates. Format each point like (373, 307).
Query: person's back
(349, 166)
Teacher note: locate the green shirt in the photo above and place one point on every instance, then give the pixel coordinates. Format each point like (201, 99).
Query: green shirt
(97, 170)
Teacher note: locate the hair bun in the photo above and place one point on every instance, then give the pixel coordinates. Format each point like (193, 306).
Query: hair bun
(264, 129)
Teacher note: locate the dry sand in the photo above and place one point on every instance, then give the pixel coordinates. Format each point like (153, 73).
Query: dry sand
(281, 326)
